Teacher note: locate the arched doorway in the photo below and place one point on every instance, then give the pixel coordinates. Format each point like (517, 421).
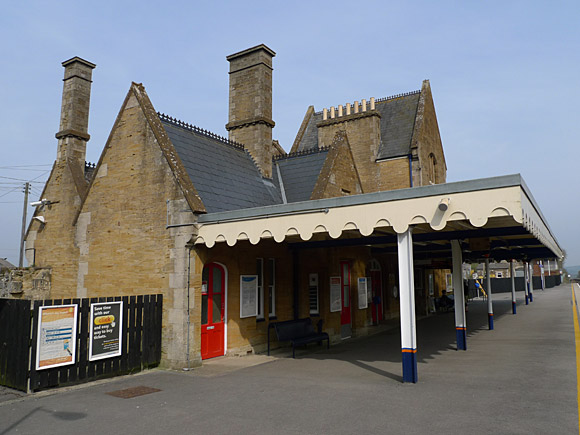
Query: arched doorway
(213, 315)
(376, 291)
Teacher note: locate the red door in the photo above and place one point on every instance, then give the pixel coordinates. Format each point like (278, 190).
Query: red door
(345, 319)
(377, 296)
(212, 311)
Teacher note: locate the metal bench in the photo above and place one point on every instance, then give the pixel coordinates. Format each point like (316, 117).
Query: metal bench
(298, 332)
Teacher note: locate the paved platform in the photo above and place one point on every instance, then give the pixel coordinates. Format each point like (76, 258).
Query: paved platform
(517, 379)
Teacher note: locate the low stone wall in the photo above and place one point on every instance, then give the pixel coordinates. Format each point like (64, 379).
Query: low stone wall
(26, 283)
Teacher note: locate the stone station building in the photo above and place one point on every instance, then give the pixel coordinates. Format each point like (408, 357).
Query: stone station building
(354, 226)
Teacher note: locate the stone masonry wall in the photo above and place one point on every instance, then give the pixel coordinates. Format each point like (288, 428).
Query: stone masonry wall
(126, 248)
(427, 140)
(52, 245)
(394, 174)
(364, 136)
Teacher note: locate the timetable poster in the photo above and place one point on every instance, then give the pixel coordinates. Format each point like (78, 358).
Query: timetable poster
(57, 331)
(335, 294)
(248, 296)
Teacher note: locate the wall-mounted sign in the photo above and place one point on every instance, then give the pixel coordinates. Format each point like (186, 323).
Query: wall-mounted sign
(105, 339)
(335, 294)
(362, 294)
(248, 296)
(57, 333)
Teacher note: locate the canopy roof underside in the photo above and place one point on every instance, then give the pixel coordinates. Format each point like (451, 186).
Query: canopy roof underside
(493, 217)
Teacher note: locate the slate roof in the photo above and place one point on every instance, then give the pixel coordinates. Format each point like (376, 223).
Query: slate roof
(224, 174)
(5, 264)
(300, 173)
(397, 124)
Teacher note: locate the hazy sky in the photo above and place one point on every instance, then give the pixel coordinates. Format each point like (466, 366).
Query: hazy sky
(503, 76)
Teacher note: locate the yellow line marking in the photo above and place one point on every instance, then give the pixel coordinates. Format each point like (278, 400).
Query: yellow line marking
(577, 340)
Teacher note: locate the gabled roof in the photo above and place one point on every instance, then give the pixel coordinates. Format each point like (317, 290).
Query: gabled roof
(397, 123)
(223, 172)
(5, 264)
(299, 173)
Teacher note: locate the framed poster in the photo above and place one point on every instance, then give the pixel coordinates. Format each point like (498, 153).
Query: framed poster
(362, 294)
(449, 282)
(57, 336)
(335, 294)
(105, 338)
(248, 296)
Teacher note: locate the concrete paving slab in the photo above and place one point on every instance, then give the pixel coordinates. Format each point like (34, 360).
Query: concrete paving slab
(517, 379)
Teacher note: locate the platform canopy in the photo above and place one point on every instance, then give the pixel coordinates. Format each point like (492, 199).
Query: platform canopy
(495, 218)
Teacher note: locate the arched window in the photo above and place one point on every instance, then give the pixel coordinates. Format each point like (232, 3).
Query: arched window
(431, 169)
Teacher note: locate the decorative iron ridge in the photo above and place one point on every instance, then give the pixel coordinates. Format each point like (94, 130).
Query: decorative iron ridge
(300, 153)
(390, 97)
(190, 127)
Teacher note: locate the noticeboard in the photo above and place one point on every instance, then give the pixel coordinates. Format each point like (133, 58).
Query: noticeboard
(248, 296)
(362, 294)
(56, 340)
(335, 294)
(105, 339)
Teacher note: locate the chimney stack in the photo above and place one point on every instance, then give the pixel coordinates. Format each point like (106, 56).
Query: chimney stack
(250, 112)
(74, 117)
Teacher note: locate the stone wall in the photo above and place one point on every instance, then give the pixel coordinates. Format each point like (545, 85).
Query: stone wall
(364, 136)
(26, 283)
(427, 140)
(124, 245)
(394, 174)
(51, 245)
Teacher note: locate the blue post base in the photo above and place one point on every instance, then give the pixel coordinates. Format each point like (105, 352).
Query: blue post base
(461, 338)
(531, 297)
(490, 320)
(527, 300)
(410, 365)
(513, 307)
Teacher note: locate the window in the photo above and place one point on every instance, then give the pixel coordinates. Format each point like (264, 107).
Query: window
(272, 287)
(313, 293)
(431, 169)
(260, 274)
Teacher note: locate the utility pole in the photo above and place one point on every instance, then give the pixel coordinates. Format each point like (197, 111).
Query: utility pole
(26, 189)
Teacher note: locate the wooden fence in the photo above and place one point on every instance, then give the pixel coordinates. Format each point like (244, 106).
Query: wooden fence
(15, 317)
(141, 344)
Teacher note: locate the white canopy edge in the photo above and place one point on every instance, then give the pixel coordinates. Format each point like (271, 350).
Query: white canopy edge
(398, 210)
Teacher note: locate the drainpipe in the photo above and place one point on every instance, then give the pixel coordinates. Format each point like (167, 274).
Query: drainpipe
(411, 169)
(189, 247)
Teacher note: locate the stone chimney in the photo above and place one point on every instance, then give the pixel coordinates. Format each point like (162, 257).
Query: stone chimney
(74, 117)
(250, 113)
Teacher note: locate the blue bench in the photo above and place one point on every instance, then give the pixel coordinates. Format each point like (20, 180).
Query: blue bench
(298, 332)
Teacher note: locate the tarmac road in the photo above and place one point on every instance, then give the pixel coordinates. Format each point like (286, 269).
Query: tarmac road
(520, 378)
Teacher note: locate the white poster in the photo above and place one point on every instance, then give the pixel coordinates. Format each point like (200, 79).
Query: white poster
(335, 294)
(57, 332)
(362, 294)
(248, 296)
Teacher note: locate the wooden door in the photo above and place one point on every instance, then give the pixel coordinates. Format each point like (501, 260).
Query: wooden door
(212, 311)
(377, 296)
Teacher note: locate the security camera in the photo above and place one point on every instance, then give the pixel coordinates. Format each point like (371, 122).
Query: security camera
(42, 202)
(40, 219)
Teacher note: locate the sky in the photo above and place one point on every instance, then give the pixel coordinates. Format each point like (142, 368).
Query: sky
(504, 77)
